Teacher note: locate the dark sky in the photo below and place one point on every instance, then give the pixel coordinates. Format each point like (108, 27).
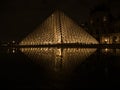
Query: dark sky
(20, 17)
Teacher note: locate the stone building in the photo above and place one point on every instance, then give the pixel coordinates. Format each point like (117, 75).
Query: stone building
(113, 38)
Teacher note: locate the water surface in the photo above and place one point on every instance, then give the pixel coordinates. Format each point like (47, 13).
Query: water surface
(59, 68)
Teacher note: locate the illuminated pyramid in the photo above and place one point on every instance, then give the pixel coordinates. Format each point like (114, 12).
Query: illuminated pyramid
(58, 29)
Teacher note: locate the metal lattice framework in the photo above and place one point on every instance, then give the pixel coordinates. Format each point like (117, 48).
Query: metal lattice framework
(58, 29)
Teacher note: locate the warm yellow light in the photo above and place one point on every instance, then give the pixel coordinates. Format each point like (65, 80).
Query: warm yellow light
(106, 49)
(13, 51)
(58, 53)
(57, 59)
(58, 29)
(106, 39)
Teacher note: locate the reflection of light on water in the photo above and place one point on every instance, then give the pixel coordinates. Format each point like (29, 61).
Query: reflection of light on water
(118, 52)
(58, 59)
(58, 52)
(75, 56)
(106, 49)
(11, 50)
(113, 51)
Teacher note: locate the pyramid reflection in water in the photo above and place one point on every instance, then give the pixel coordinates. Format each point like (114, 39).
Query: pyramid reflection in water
(58, 59)
(58, 29)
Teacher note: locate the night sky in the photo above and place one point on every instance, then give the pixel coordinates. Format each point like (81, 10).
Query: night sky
(20, 17)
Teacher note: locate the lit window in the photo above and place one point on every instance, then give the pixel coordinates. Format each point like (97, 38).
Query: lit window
(106, 40)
